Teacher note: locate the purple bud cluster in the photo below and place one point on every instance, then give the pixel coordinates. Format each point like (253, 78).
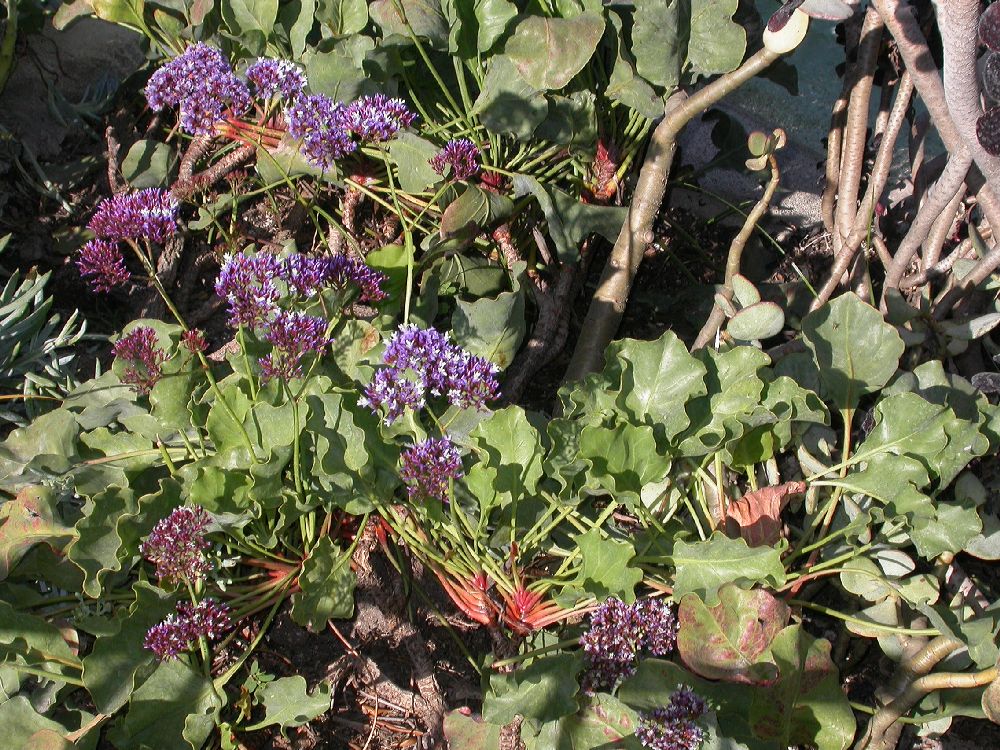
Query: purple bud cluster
(202, 83)
(422, 360)
(276, 77)
(178, 633)
(143, 357)
(149, 214)
(429, 467)
(103, 262)
(377, 117)
(460, 155)
(673, 727)
(293, 335)
(177, 543)
(322, 126)
(618, 633)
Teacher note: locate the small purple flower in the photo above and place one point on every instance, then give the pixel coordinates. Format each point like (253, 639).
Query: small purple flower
(618, 632)
(202, 83)
(377, 117)
(429, 467)
(194, 341)
(178, 632)
(391, 389)
(320, 123)
(461, 155)
(273, 77)
(143, 357)
(176, 545)
(442, 368)
(293, 335)
(673, 727)
(144, 214)
(308, 275)
(102, 261)
(246, 282)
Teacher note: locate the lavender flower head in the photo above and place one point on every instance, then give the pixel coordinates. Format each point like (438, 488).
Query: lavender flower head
(321, 124)
(377, 117)
(246, 282)
(276, 77)
(618, 632)
(293, 335)
(673, 727)
(202, 83)
(308, 275)
(437, 366)
(178, 633)
(102, 261)
(176, 545)
(142, 356)
(461, 155)
(428, 468)
(144, 214)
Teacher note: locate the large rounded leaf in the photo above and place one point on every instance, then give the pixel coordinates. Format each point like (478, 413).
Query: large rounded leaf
(548, 52)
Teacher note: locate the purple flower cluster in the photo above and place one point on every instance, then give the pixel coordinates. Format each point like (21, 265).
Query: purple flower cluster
(143, 357)
(202, 83)
(308, 275)
(276, 77)
(177, 543)
(249, 285)
(461, 155)
(673, 727)
(293, 335)
(429, 467)
(144, 214)
(377, 117)
(436, 365)
(176, 634)
(102, 261)
(618, 632)
(322, 126)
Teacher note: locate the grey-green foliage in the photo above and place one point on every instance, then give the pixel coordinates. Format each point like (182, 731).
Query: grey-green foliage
(35, 344)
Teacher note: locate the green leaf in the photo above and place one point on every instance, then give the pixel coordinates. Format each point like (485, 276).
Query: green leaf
(119, 660)
(507, 103)
(472, 211)
(45, 447)
(126, 12)
(730, 641)
(806, 706)
(703, 568)
(509, 443)
(250, 21)
(604, 722)
(338, 72)
(33, 641)
(604, 567)
(411, 153)
(342, 17)
(543, 691)
(298, 16)
(424, 17)
(148, 164)
(327, 584)
(21, 723)
(660, 40)
(287, 704)
(571, 121)
(476, 26)
(717, 43)
(491, 328)
(759, 321)
(275, 166)
(27, 520)
(176, 707)
(392, 260)
(624, 459)
(549, 52)
(469, 732)
(658, 379)
(624, 85)
(855, 350)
